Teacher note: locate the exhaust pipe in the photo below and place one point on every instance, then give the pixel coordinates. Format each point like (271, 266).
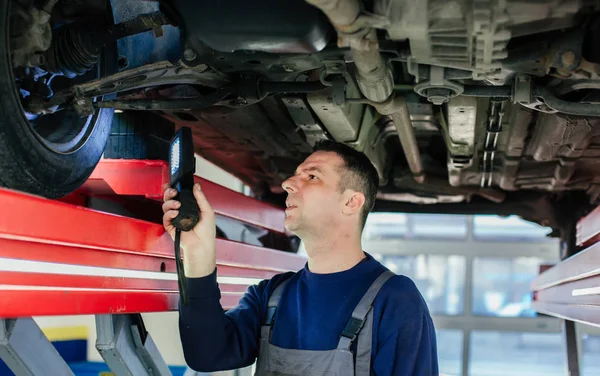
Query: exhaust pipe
(373, 75)
(408, 140)
(397, 109)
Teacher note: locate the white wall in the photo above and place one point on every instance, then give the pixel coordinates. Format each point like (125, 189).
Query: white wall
(163, 326)
(217, 175)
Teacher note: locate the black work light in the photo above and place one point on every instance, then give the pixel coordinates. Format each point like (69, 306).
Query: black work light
(182, 166)
(182, 169)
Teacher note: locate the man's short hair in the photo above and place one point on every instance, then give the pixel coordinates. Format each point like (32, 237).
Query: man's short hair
(358, 173)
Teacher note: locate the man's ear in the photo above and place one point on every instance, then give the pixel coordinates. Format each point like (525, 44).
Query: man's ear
(353, 202)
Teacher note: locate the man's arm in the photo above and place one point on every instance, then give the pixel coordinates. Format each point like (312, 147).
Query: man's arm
(214, 340)
(211, 339)
(406, 342)
(411, 350)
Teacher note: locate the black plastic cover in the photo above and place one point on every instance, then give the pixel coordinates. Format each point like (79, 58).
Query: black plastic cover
(275, 26)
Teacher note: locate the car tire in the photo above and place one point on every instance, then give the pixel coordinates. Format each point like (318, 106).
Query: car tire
(139, 135)
(28, 161)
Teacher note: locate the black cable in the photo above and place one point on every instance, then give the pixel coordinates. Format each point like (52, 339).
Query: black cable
(181, 280)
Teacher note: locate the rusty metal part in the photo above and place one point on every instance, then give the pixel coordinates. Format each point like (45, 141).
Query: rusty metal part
(156, 74)
(397, 109)
(232, 95)
(76, 47)
(341, 13)
(31, 34)
(245, 92)
(490, 147)
(373, 74)
(438, 185)
(574, 85)
(204, 101)
(409, 143)
(571, 108)
(83, 106)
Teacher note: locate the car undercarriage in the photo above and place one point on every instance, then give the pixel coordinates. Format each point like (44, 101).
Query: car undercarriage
(478, 106)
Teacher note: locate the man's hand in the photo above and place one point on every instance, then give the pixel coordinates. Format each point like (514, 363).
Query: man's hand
(198, 245)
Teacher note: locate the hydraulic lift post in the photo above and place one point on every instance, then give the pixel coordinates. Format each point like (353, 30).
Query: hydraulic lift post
(62, 258)
(26, 350)
(127, 348)
(569, 328)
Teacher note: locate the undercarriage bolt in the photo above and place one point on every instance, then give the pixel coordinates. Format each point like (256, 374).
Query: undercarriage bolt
(36, 60)
(189, 54)
(568, 58)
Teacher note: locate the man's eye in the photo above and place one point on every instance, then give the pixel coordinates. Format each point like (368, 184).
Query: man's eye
(312, 177)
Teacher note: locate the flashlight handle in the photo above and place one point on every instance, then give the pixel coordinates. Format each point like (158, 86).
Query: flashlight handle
(188, 211)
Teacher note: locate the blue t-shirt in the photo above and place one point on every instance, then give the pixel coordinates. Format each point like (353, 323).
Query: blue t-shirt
(312, 313)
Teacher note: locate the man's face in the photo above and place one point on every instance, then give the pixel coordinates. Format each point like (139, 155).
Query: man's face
(314, 200)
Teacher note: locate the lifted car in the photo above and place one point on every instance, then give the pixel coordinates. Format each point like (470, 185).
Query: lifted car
(463, 106)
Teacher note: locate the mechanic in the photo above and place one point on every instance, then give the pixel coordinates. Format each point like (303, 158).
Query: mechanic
(304, 323)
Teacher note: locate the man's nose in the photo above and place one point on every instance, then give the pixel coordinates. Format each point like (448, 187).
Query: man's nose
(289, 185)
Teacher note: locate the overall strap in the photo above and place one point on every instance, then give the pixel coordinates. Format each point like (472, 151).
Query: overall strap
(362, 310)
(272, 308)
(362, 365)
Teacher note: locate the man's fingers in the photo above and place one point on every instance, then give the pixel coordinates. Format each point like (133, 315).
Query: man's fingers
(169, 194)
(170, 205)
(203, 204)
(169, 228)
(168, 218)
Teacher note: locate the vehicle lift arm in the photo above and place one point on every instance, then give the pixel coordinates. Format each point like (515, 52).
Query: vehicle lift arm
(62, 258)
(570, 290)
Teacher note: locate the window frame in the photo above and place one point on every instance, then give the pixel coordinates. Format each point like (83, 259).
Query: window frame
(471, 247)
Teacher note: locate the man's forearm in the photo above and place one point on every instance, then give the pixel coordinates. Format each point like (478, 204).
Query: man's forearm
(213, 340)
(198, 262)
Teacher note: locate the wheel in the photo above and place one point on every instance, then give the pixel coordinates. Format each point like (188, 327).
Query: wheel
(47, 155)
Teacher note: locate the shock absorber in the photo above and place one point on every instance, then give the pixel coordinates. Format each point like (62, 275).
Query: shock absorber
(76, 47)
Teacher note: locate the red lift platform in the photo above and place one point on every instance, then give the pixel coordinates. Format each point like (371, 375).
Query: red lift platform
(64, 258)
(570, 290)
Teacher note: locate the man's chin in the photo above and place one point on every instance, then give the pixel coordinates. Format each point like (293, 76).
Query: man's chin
(290, 225)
